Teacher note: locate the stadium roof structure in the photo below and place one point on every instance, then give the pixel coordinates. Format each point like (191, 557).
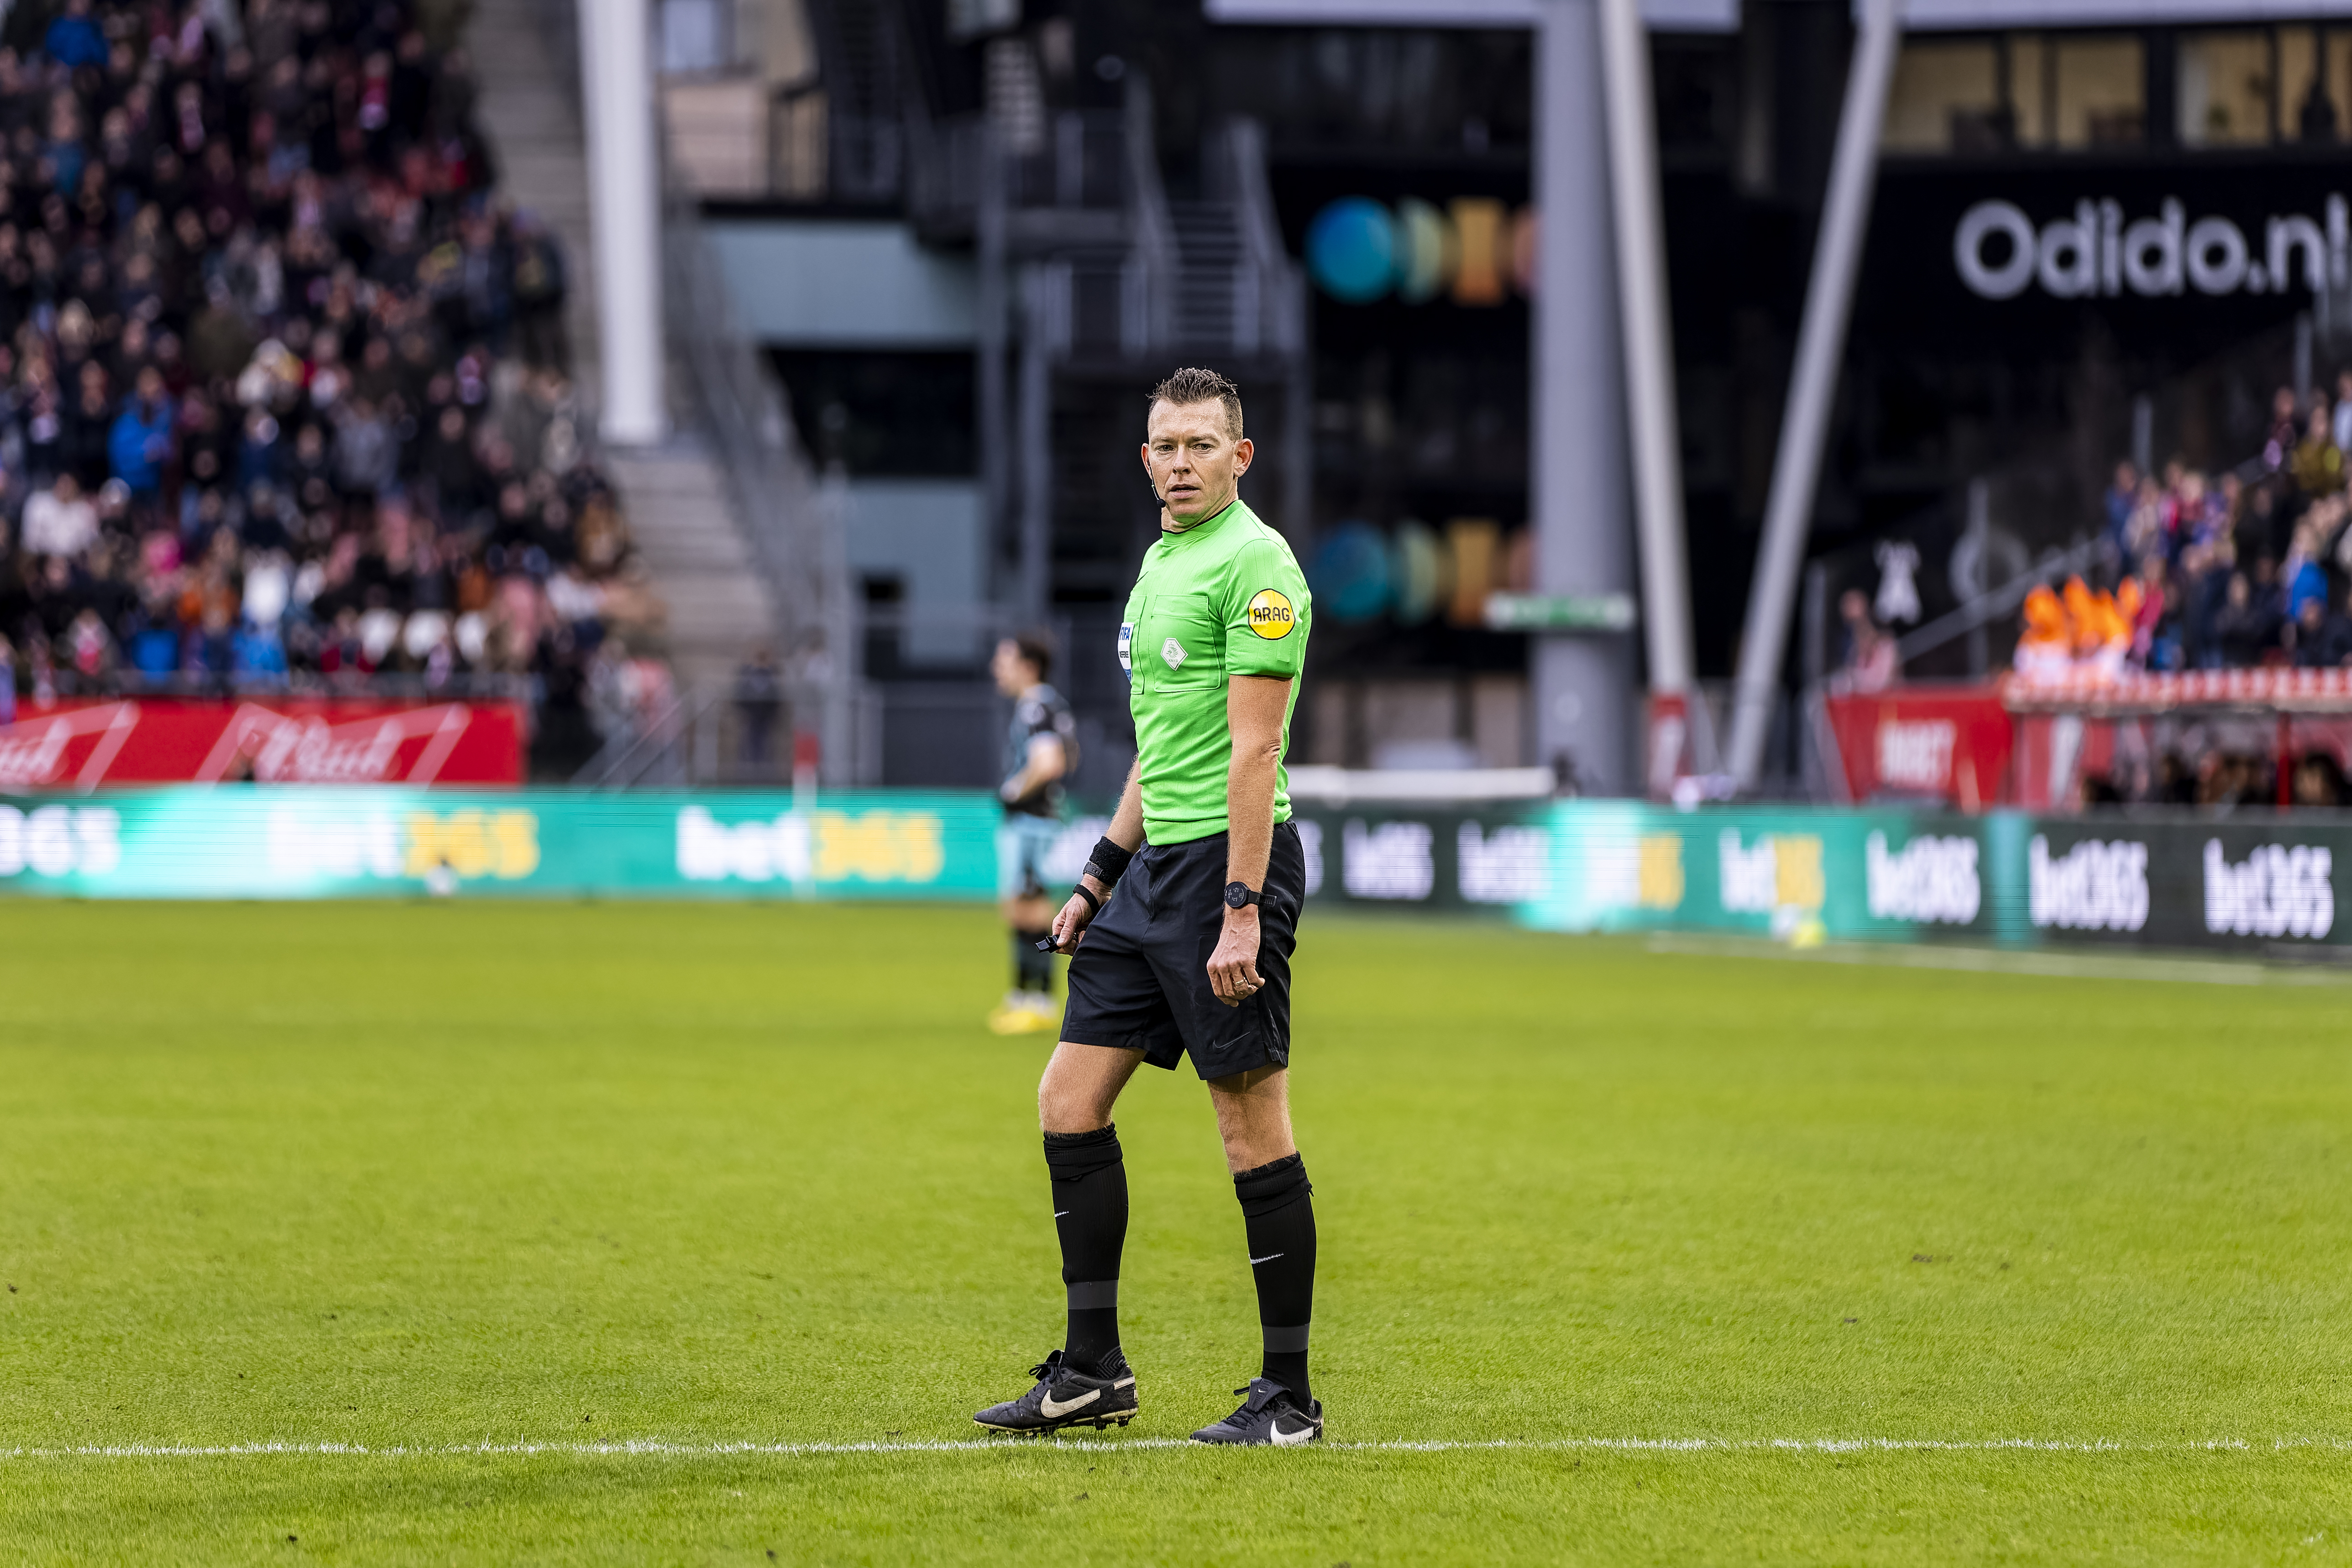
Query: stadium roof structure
(1723, 15)
(1960, 16)
(1664, 15)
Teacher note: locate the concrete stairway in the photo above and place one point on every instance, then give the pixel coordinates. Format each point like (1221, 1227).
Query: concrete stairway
(1212, 260)
(676, 495)
(684, 520)
(528, 109)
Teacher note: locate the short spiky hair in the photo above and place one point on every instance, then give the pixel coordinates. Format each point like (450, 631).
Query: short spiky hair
(1193, 385)
(1035, 648)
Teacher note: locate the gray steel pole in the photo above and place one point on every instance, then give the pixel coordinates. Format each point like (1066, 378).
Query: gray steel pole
(1036, 444)
(1649, 345)
(1813, 386)
(996, 477)
(1584, 686)
(1979, 537)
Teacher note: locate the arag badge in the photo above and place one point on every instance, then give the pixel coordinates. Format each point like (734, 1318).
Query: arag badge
(1270, 615)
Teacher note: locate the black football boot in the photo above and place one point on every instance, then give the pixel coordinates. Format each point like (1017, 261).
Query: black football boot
(1270, 1415)
(1066, 1398)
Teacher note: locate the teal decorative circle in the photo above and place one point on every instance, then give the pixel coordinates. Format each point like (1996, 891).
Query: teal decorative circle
(1351, 249)
(1350, 573)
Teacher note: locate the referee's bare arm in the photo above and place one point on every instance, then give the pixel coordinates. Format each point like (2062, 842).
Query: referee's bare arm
(1127, 832)
(1255, 706)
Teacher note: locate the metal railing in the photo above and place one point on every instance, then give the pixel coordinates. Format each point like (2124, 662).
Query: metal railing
(712, 733)
(930, 665)
(1092, 202)
(792, 520)
(1082, 166)
(1270, 309)
(1999, 601)
(1147, 313)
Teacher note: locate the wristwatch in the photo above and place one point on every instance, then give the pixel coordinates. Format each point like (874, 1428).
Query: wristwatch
(1239, 895)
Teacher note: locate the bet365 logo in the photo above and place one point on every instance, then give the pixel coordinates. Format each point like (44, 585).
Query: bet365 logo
(1270, 615)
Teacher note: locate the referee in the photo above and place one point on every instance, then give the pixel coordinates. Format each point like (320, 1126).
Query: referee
(1192, 954)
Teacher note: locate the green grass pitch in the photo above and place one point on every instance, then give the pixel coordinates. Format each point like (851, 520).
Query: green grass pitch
(2028, 1269)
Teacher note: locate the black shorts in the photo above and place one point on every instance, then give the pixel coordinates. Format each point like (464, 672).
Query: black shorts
(1141, 979)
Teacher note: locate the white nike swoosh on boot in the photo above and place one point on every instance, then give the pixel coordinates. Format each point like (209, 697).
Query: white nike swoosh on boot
(1267, 1258)
(1055, 1412)
(1299, 1438)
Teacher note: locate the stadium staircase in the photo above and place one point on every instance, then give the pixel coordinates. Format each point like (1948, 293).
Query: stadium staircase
(1211, 265)
(677, 496)
(1113, 281)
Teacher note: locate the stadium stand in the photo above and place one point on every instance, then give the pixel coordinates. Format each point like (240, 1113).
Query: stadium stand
(2245, 569)
(285, 399)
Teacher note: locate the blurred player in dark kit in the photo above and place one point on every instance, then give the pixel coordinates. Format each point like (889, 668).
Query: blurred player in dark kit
(1040, 750)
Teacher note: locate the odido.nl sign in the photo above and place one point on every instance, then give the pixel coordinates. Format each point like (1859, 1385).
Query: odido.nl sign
(1970, 262)
(2099, 247)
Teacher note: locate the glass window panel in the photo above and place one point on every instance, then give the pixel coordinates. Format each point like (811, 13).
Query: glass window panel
(2030, 84)
(2224, 89)
(2307, 109)
(2338, 78)
(694, 36)
(1940, 85)
(2101, 91)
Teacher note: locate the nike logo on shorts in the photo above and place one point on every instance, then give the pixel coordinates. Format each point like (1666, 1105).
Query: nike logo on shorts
(1267, 1258)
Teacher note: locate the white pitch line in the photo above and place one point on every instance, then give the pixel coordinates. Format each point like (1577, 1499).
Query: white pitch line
(660, 1448)
(2044, 962)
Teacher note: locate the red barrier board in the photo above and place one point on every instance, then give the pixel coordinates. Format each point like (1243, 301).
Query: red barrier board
(1947, 743)
(86, 743)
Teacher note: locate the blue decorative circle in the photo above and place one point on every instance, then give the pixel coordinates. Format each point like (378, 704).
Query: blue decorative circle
(1350, 575)
(1351, 249)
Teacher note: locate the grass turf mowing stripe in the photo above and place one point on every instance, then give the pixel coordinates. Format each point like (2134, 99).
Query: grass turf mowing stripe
(656, 1448)
(2312, 966)
(1083, 1507)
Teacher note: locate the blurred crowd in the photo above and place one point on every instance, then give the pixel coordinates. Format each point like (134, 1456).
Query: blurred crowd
(2250, 567)
(284, 398)
(2209, 761)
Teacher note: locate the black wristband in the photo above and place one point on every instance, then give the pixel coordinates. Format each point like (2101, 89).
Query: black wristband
(1093, 903)
(1109, 862)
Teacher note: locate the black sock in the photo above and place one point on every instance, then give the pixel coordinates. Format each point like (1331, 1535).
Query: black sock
(1090, 1214)
(1280, 1217)
(1031, 970)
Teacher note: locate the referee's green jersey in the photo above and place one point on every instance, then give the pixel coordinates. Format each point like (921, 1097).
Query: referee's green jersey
(1224, 597)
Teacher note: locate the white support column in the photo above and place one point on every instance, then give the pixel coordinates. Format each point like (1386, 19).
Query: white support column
(1582, 685)
(1812, 386)
(625, 211)
(1649, 345)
